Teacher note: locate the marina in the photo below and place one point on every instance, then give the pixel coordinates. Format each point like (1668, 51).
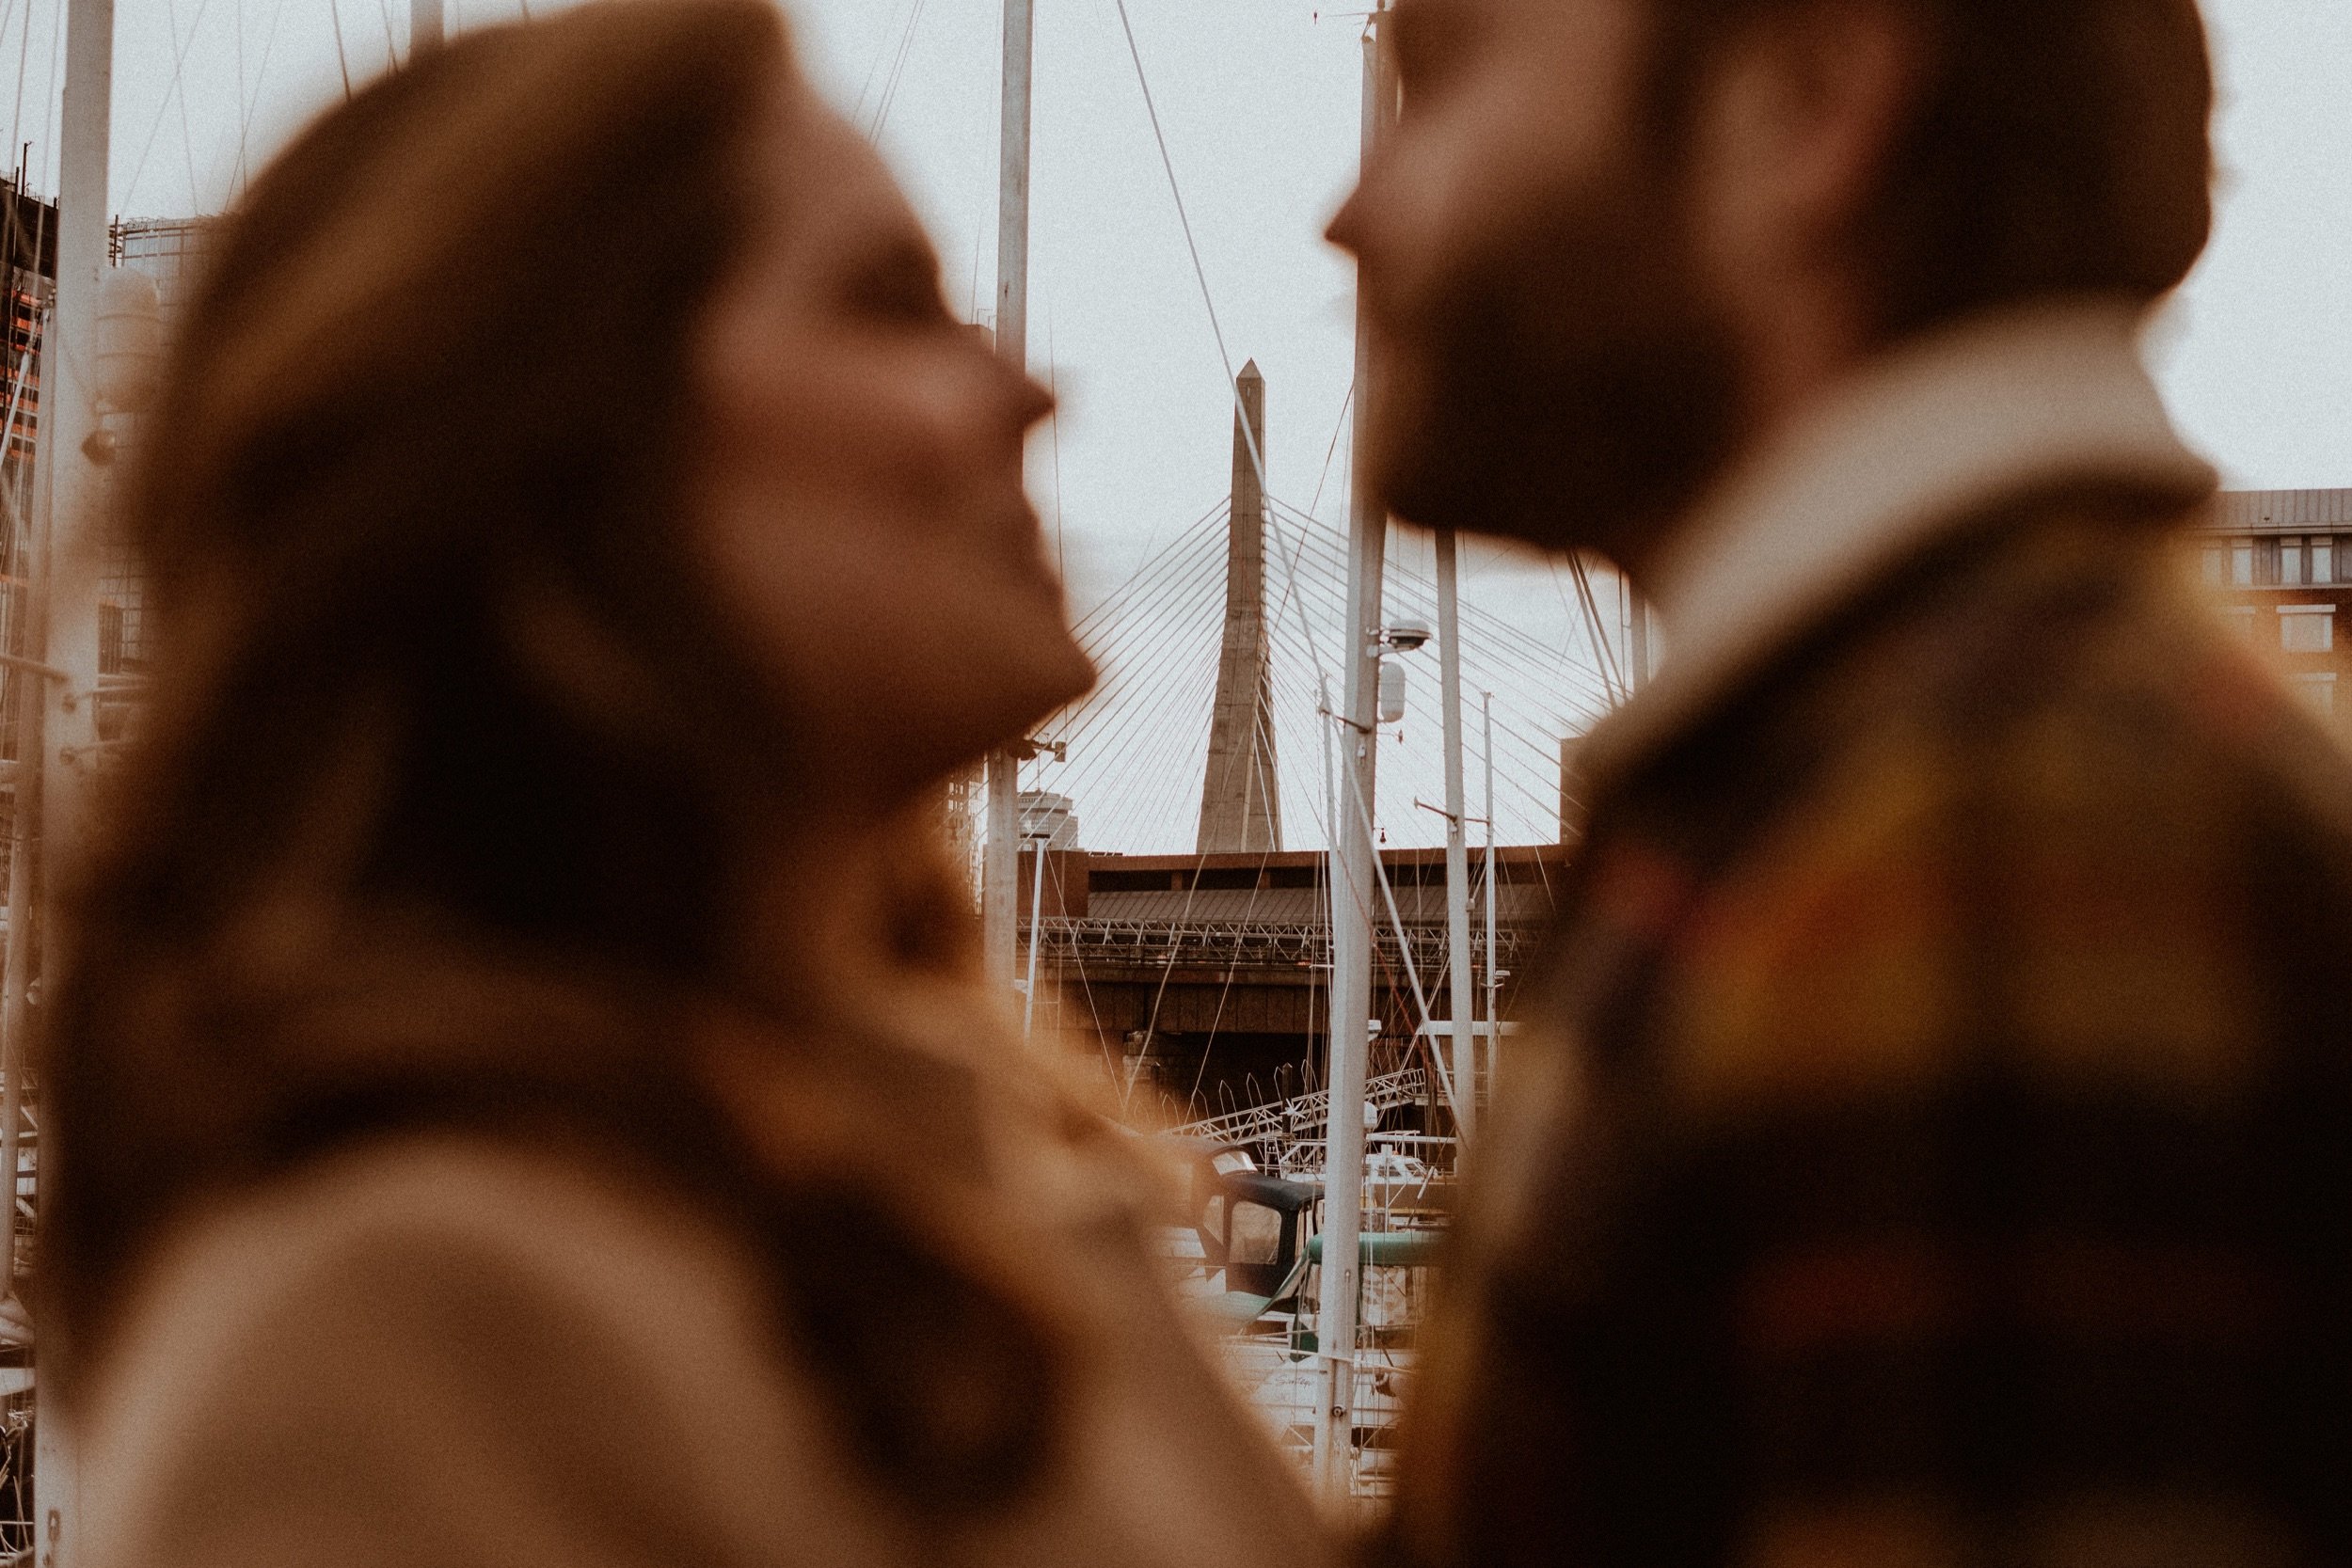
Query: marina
(1277, 886)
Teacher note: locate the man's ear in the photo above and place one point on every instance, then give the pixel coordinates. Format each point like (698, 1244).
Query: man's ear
(1798, 121)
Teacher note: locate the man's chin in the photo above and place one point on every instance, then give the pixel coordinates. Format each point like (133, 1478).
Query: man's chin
(1607, 467)
(1417, 495)
(1443, 462)
(1439, 494)
(1417, 470)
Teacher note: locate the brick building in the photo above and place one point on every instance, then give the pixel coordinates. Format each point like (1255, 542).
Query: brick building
(2280, 562)
(28, 239)
(1206, 978)
(171, 253)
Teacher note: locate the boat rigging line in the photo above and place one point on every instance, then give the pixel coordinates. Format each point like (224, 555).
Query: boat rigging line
(1604, 647)
(1339, 427)
(889, 98)
(1200, 271)
(176, 89)
(343, 63)
(16, 117)
(252, 103)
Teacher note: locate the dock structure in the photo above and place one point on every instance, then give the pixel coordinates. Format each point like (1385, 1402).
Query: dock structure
(1204, 982)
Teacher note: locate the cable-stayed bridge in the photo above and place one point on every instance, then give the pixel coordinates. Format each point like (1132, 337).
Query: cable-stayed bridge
(1180, 925)
(1138, 746)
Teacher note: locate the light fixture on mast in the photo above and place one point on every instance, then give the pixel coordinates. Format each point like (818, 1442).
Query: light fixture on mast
(1405, 636)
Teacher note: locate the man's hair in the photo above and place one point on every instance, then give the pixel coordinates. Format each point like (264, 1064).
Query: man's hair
(2057, 147)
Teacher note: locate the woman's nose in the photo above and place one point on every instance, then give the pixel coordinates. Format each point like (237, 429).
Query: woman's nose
(1031, 400)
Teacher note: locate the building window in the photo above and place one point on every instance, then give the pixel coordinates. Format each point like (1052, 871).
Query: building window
(2291, 560)
(2242, 562)
(2266, 563)
(2307, 628)
(2323, 559)
(2216, 564)
(2318, 689)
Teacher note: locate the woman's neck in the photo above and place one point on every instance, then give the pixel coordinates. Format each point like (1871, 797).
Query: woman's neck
(825, 910)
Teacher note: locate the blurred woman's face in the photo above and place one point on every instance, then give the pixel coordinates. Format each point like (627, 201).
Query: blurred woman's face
(861, 501)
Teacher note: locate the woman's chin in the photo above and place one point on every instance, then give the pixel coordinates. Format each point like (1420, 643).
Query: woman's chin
(1034, 676)
(1078, 676)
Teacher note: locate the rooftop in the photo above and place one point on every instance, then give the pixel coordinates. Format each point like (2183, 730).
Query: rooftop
(2280, 511)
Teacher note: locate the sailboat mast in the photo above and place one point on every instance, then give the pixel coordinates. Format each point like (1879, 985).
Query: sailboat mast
(1000, 856)
(1494, 981)
(1353, 870)
(1037, 919)
(69, 421)
(1464, 1007)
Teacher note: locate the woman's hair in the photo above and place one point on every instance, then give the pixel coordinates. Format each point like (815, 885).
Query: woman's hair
(435, 818)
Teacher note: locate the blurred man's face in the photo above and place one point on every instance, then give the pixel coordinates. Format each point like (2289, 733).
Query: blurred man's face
(1550, 364)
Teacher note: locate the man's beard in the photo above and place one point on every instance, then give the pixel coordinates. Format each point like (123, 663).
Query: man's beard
(1567, 381)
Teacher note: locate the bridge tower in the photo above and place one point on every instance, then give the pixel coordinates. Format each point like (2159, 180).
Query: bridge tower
(1241, 809)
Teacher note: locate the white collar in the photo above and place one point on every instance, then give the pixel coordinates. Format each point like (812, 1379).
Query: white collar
(1928, 434)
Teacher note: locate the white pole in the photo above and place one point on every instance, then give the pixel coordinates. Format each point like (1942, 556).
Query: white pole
(1037, 919)
(1462, 1003)
(1330, 797)
(1494, 982)
(1354, 888)
(1333, 904)
(69, 419)
(24, 830)
(1000, 853)
(999, 857)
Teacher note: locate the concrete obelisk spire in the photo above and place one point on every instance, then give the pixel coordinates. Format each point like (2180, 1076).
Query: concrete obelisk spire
(1241, 810)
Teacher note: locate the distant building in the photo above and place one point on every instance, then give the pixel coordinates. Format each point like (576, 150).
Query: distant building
(1048, 818)
(171, 252)
(1205, 979)
(28, 237)
(2280, 562)
(28, 234)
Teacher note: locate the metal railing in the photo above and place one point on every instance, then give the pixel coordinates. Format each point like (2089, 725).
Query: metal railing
(1302, 1117)
(1263, 944)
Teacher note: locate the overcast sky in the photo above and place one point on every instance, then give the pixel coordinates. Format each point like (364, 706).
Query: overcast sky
(1259, 100)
